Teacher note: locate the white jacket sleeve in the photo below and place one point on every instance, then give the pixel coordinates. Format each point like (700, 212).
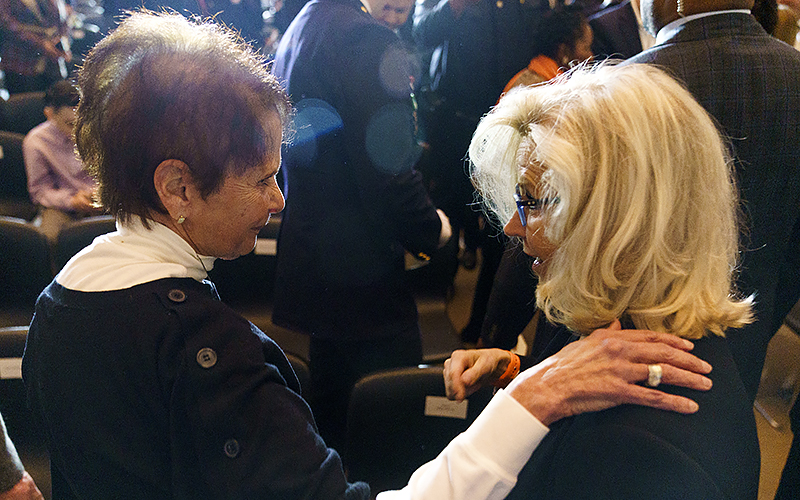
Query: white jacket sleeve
(483, 462)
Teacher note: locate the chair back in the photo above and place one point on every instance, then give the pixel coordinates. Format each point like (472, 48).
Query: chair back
(22, 111)
(14, 198)
(399, 419)
(77, 235)
(25, 263)
(300, 367)
(29, 441)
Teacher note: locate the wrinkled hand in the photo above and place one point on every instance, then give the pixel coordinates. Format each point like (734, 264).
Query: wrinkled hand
(25, 489)
(601, 371)
(467, 371)
(53, 52)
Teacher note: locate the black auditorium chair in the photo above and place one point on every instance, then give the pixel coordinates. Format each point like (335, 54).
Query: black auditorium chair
(29, 441)
(77, 235)
(22, 111)
(25, 269)
(14, 198)
(300, 367)
(399, 419)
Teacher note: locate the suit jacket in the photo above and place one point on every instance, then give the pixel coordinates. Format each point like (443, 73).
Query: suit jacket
(616, 32)
(750, 82)
(634, 452)
(354, 200)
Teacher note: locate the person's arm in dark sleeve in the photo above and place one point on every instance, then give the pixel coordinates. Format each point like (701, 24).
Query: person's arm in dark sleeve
(381, 143)
(11, 468)
(253, 436)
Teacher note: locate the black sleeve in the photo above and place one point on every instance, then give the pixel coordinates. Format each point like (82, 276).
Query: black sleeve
(380, 138)
(253, 436)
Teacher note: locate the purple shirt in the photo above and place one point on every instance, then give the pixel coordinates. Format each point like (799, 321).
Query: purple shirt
(55, 173)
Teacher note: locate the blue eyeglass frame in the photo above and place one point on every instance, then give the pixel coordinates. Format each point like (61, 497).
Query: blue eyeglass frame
(523, 203)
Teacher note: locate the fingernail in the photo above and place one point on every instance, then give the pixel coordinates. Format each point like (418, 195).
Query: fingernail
(706, 367)
(692, 407)
(707, 383)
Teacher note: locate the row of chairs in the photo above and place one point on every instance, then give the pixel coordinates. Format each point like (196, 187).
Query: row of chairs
(397, 420)
(18, 115)
(28, 264)
(21, 112)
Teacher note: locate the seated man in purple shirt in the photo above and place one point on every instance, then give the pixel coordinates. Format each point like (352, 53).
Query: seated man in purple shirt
(56, 179)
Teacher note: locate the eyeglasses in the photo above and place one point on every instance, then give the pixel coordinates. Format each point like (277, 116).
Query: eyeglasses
(529, 204)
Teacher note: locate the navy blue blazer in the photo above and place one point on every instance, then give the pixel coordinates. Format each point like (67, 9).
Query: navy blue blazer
(354, 200)
(750, 82)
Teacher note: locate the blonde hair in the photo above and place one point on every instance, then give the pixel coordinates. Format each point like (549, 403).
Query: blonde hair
(645, 220)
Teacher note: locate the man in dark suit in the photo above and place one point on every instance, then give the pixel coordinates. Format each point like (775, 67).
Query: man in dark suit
(749, 82)
(354, 202)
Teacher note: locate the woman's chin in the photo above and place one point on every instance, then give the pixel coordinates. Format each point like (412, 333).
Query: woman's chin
(538, 266)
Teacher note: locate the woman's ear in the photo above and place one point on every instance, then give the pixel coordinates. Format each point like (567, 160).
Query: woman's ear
(173, 181)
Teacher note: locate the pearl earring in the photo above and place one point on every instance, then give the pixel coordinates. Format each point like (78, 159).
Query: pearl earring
(181, 219)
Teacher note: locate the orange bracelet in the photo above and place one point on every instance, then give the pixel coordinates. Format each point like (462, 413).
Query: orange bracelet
(512, 370)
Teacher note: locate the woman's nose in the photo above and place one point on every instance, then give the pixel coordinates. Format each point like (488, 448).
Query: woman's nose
(514, 226)
(277, 201)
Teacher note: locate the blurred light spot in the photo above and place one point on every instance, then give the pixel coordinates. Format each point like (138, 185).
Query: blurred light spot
(314, 119)
(390, 139)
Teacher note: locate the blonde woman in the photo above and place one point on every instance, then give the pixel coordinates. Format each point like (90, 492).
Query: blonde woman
(618, 185)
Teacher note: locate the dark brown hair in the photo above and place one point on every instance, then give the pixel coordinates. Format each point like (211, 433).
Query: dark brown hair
(165, 87)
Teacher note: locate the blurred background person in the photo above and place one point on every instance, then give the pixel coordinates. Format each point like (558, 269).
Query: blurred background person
(355, 203)
(57, 181)
(563, 37)
(243, 16)
(629, 213)
(473, 48)
(391, 13)
(34, 43)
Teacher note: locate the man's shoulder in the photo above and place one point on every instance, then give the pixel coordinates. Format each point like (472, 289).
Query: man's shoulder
(716, 35)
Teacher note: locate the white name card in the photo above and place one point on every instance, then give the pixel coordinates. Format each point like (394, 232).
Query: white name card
(438, 406)
(266, 246)
(10, 368)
